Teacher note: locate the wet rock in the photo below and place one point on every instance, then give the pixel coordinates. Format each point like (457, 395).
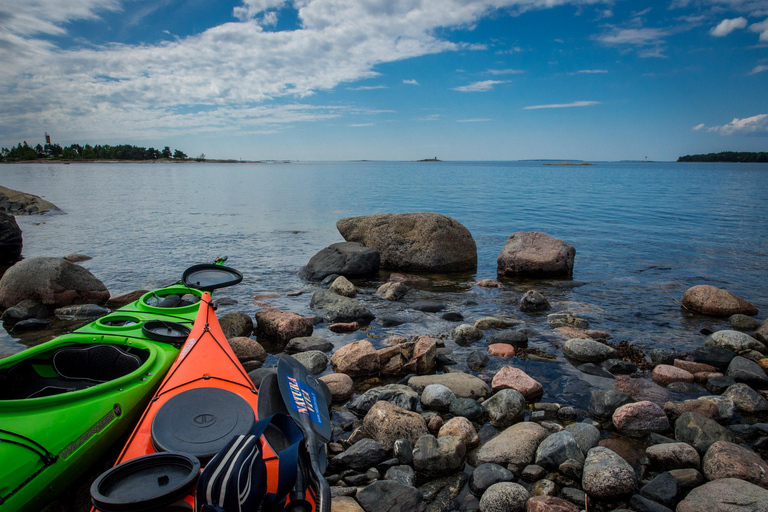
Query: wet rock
(342, 286)
(699, 431)
(397, 394)
(741, 322)
(437, 397)
(236, 324)
(11, 242)
(390, 496)
(496, 322)
(733, 340)
(505, 407)
(476, 360)
(748, 372)
(362, 455)
(53, 282)
(533, 472)
(532, 301)
(386, 423)
(466, 334)
(515, 445)
(346, 258)
(746, 399)
(558, 448)
(452, 316)
(282, 325)
(504, 497)
(392, 291)
(606, 475)
(718, 357)
(713, 301)
(118, 301)
(514, 338)
(248, 350)
(641, 389)
(501, 350)
(20, 203)
(619, 367)
(305, 343)
(25, 310)
(462, 384)
(344, 327)
(468, 408)
(80, 312)
(718, 385)
(513, 378)
(434, 457)
(673, 456)
(566, 320)
(725, 495)
(663, 356)
(415, 242)
(586, 436)
(588, 350)
(694, 367)
(665, 374)
(336, 308)
(603, 403)
(487, 474)
(31, 324)
(401, 474)
(762, 332)
(535, 254)
(460, 427)
(488, 283)
(340, 384)
(593, 369)
(673, 410)
(729, 460)
(549, 504)
(313, 360)
(356, 359)
(428, 306)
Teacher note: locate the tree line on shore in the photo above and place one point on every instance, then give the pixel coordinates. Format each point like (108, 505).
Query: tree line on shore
(24, 151)
(728, 156)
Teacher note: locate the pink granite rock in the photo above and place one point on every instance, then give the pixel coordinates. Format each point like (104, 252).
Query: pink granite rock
(514, 378)
(693, 367)
(665, 375)
(714, 301)
(356, 359)
(282, 325)
(501, 350)
(640, 418)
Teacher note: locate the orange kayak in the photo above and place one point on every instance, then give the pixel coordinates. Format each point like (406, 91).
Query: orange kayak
(205, 400)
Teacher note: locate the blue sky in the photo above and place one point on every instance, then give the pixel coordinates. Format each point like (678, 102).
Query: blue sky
(389, 79)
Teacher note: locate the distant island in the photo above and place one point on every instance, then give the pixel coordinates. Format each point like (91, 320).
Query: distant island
(727, 156)
(429, 160)
(570, 163)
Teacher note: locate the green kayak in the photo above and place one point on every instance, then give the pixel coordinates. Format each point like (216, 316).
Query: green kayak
(66, 401)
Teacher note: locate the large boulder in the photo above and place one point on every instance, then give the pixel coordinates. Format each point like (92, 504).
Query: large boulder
(710, 300)
(10, 239)
(20, 203)
(51, 281)
(414, 242)
(337, 308)
(349, 259)
(530, 253)
(282, 325)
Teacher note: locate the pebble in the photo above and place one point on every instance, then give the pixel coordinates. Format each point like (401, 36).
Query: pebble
(437, 397)
(501, 350)
(589, 351)
(673, 456)
(699, 431)
(460, 427)
(505, 407)
(729, 460)
(640, 418)
(606, 475)
(665, 374)
(487, 474)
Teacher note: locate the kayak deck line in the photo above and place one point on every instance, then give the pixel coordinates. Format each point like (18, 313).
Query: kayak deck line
(47, 457)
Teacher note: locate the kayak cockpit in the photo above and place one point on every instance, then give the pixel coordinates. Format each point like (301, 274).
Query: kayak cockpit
(67, 368)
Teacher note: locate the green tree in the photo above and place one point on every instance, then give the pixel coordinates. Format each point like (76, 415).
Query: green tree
(179, 155)
(166, 152)
(89, 153)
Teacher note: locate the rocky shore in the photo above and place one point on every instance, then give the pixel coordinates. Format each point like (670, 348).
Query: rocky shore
(459, 419)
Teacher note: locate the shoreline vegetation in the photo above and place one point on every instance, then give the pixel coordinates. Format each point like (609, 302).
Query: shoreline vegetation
(728, 156)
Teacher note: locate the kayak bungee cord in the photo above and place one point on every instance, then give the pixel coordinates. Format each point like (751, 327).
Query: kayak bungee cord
(47, 457)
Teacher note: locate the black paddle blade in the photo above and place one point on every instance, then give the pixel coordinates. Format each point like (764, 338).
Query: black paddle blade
(304, 396)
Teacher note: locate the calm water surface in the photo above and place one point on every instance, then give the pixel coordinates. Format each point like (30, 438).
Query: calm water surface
(638, 228)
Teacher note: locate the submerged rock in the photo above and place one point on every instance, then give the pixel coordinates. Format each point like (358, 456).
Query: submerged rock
(710, 300)
(533, 301)
(337, 308)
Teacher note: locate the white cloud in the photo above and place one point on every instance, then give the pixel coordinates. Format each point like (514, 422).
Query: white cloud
(564, 105)
(367, 87)
(360, 125)
(699, 127)
(592, 71)
(411, 82)
(223, 71)
(727, 26)
(483, 86)
(633, 36)
(758, 69)
(431, 117)
(479, 120)
(762, 28)
(506, 71)
(755, 125)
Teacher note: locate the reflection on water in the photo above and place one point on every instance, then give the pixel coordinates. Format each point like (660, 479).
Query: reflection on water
(641, 231)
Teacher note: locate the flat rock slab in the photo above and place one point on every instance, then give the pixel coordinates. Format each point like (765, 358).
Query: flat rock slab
(463, 385)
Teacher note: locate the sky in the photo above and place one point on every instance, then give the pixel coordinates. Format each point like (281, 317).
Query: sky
(389, 79)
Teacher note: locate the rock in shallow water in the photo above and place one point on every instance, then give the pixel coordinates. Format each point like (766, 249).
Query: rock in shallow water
(345, 258)
(535, 254)
(336, 308)
(606, 475)
(588, 350)
(397, 394)
(462, 384)
(533, 301)
(282, 325)
(673, 456)
(710, 300)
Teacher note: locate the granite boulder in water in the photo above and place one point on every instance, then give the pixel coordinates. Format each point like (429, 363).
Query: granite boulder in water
(21, 203)
(714, 301)
(51, 281)
(535, 254)
(415, 242)
(349, 259)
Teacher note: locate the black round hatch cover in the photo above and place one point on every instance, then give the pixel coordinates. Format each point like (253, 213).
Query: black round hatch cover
(167, 332)
(145, 483)
(209, 277)
(201, 422)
